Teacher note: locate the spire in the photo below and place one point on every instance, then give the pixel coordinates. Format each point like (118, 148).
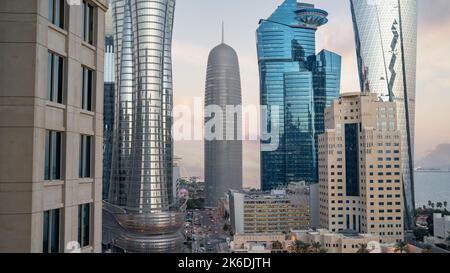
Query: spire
(223, 32)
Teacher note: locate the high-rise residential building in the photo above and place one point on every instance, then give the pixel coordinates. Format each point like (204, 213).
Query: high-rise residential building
(360, 171)
(301, 84)
(51, 124)
(270, 212)
(108, 113)
(223, 147)
(140, 195)
(386, 45)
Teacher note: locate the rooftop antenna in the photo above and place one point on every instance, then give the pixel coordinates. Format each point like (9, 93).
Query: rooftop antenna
(223, 32)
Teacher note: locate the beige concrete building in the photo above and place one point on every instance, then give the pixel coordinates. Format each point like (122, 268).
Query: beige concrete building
(271, 212)
(333, 242)
(360, 179)
(259, 243)
(51, 125)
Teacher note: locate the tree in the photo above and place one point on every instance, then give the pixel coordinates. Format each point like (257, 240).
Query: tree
(401, 247)
(362, 248)
(445, 205)
(429, 203)
(316, 247)
(323, 250)
(439, 205)
(301, 247)
(432, 205)
(277, 245)
(420, 233)
(427, 249)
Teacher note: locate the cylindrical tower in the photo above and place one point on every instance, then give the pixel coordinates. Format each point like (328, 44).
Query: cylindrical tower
(223, 154)
(147, 221)
(386, 48)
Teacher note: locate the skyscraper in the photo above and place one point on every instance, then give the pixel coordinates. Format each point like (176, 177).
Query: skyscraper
(386, 43)
(301, 84)
(360, 185)
(51, 125)
(108, 113)
(223, 157)
(141, 185)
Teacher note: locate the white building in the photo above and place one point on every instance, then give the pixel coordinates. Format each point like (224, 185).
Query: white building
(441, 228)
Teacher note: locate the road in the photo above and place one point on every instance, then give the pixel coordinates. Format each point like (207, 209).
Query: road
(209, 234)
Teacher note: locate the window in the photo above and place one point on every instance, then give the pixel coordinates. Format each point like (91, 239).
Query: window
(55, 77)
(84, 224)
(50, 242)
(56, 12)
(86, 89)
(85, 156)
(52, 168)
(88, 22)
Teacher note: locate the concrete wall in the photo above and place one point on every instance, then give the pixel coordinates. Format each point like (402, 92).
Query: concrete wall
(26, 36)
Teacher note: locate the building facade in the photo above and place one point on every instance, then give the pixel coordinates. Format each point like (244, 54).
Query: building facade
(259, 243)
(51, 125)
(386, 46)
(441, 228)
(223, 147)
(360, 171)
(140, 195)
(301, 84)
(274, 212)
(344, 242)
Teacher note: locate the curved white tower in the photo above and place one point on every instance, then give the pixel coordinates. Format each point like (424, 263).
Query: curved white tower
(386, 45)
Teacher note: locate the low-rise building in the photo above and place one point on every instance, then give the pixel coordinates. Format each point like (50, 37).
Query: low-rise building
(441, 228)
(259, 243)
(270, 212)
(342, 242)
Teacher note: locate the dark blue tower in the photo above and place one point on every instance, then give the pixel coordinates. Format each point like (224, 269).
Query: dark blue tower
(301, 84)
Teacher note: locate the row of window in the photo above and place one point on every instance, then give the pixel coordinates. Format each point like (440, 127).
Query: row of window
(53, 155)
(56, 16)
(52, 227)
(55, 82)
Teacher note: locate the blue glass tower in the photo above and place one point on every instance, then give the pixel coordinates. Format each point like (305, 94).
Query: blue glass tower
(301, 84)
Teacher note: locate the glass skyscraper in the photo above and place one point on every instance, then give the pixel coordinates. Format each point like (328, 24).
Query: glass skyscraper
(108, 113)
(301, 84)
(140, 198)
(386, 45)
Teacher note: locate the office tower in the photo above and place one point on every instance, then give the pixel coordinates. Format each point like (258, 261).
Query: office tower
(223, 154)
(51, 125)
(108, 113)
(386, 42)
(360, 172)
(301, 84)
(140, 197)
(270, 212)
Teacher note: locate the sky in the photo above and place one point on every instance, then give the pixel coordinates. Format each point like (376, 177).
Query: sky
(197, 29)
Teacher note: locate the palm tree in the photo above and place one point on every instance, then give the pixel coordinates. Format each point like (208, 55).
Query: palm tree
(445, 205)
(401, 247)
(439, 205)
(427, 249)
(277, 245)
(362, 248)
(429, 203)
(316, 247)
(301, 247)
(323, 250)
(432, 205)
